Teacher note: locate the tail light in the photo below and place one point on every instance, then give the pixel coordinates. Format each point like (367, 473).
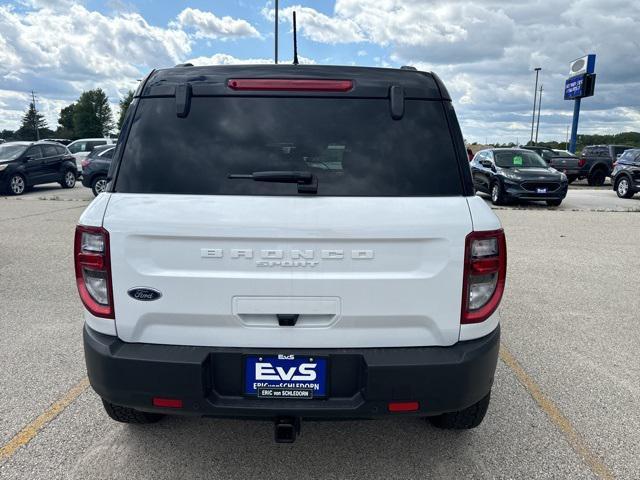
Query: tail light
(85, 162)
(93, 270)
(485, 271)
(582, 162)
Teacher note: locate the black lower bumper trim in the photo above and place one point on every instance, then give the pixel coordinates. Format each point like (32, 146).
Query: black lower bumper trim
(361, 382)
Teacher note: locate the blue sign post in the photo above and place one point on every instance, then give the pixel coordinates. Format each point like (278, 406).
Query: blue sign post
(574, 125)
(580, 84)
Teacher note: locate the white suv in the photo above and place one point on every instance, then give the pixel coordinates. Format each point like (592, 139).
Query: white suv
(81, 148)
(290, 242)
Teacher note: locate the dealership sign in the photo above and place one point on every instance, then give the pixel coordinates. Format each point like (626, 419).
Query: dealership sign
(582, 78)
(580, 84)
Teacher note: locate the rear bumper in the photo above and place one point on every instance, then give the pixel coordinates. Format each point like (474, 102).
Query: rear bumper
(361, 382)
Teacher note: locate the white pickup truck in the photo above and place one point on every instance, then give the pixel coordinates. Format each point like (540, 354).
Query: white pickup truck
(288, 242)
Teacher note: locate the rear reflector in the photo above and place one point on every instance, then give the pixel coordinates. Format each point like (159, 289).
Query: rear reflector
(403, 406)
(294, 85)
(167, 402)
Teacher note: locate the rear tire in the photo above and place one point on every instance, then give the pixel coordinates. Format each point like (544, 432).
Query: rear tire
(99, 185)
(130, 415)
(597, 178)
(623, 188)
(554, 203)
(465, 419)
(68, 179)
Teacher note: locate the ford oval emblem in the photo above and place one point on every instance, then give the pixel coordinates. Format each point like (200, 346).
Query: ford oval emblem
(144, 294)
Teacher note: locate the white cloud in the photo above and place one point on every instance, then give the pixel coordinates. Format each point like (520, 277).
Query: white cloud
(63, 48)
(485, 51)
(225, 59)
(208, 25)
(317, 26)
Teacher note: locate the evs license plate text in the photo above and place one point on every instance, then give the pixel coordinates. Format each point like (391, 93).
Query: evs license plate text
(285, 376)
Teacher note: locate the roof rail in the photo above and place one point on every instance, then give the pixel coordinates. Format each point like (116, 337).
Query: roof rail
(408, 67)
(184, 65)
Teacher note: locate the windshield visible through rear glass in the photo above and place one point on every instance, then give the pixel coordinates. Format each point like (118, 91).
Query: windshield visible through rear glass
(519, 159)
(352, 146)
(11, 152)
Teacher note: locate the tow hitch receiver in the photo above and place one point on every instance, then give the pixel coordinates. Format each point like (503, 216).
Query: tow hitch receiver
(286, 429)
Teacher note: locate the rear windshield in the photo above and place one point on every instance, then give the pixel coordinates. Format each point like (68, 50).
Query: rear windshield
(352, 146)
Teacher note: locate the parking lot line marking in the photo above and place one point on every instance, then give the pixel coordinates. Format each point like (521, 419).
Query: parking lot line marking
(578, 444)
(30, 431)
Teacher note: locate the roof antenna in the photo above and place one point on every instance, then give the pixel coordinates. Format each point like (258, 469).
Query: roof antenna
(295, 40)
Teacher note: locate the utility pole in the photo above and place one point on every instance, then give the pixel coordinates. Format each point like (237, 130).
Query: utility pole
(535, 91)
(539, 106)
(35, 119)
(276, 38)
(566, 142)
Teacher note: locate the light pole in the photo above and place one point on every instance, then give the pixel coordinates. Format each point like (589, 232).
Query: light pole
(276, 38)
(535, 92)
(539, 106)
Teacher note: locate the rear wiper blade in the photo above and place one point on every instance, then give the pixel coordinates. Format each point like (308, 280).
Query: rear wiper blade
(307, 181)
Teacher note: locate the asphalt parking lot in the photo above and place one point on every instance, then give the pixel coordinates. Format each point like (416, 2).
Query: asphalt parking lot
(564, 405)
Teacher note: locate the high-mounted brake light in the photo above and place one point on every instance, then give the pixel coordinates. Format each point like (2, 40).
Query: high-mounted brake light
(485, 271)
(287, 84)
(93, 270)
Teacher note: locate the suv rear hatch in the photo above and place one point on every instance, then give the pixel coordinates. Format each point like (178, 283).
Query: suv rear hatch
(373, 258)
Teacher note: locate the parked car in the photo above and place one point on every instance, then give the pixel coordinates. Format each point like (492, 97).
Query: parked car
(567, 163)
(25, 164)
(596, 162)
(95, 168)
(517, 174)
(83, 147)
(304, 266)
(625, 176)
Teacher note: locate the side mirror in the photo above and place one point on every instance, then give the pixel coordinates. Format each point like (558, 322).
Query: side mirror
(27, 158)
(486, 163)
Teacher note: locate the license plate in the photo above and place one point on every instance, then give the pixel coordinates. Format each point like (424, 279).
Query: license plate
(286, 376)
(541, 190)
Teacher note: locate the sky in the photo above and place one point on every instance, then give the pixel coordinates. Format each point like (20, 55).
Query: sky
(485, 51)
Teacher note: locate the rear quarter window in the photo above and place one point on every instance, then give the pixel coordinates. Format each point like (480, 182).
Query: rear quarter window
(49, 150)
(353, 146)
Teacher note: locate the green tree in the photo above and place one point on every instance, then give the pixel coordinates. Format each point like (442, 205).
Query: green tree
(32, 123)
(65, 123)
(92, 114)
(8, 135)
(124, 105)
